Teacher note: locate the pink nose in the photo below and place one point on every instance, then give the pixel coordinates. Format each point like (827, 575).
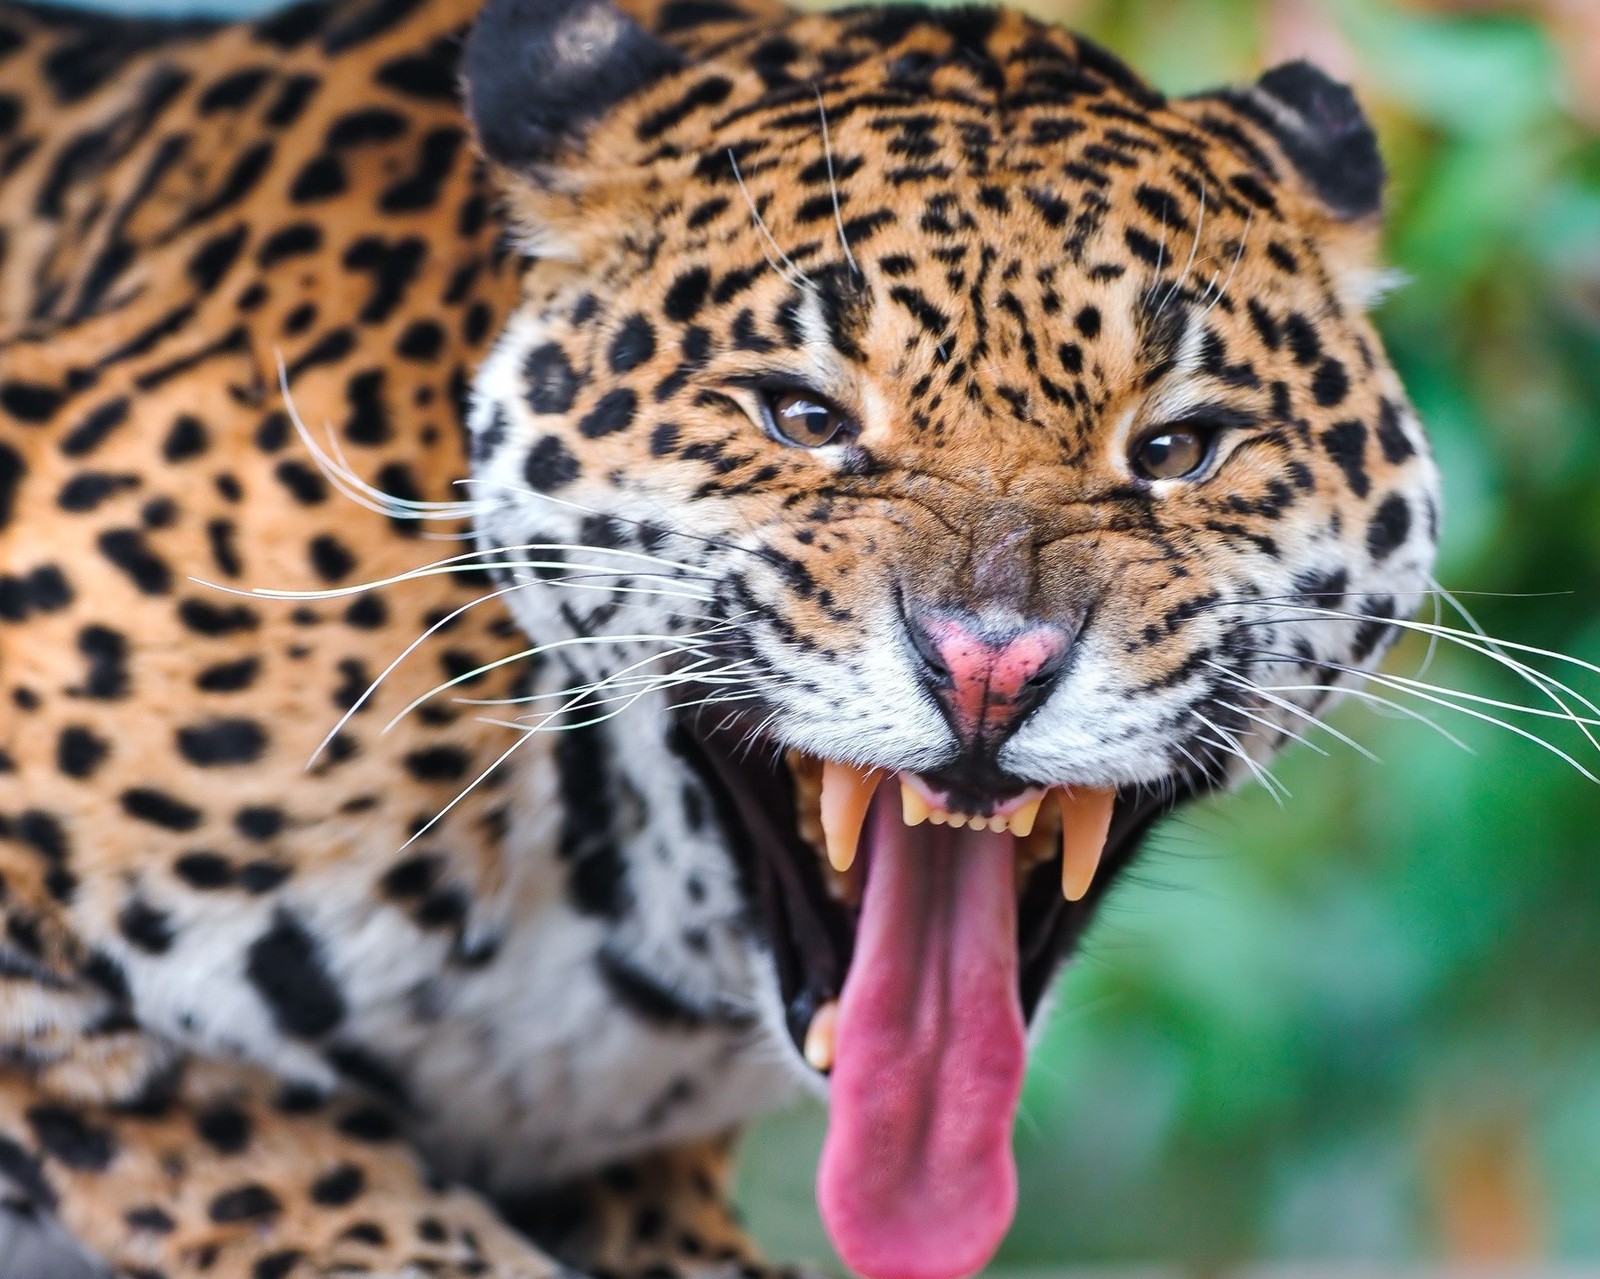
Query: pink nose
(987, 680)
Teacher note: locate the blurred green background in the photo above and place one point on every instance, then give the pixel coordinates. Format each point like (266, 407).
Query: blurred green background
(1365, 1024)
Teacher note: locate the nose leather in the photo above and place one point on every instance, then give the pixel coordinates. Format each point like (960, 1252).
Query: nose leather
(986, 677)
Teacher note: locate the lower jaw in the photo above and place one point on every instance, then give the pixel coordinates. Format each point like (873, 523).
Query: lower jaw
(769, 806)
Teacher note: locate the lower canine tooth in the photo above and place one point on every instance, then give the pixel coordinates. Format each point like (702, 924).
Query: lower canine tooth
(913, 809)
(1085, 823)
(820, 1034)
(846, 795)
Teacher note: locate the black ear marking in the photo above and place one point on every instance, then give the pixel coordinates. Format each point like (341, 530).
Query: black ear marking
(1325, 134)
(537, 71)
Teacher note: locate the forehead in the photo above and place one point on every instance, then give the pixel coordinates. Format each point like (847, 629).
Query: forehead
(961, 165)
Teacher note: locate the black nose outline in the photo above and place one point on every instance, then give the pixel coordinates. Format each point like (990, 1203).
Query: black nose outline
(974, 769)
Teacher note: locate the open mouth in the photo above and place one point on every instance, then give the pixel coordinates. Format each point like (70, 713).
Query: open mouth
(915, 929)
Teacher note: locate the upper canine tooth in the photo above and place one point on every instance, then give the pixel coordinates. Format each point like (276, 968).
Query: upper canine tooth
(1085, 823)
(913, 808)
(846, 795)
(1023, 819)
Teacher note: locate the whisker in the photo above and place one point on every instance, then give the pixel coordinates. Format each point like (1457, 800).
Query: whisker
(766, 235)
(833, 185)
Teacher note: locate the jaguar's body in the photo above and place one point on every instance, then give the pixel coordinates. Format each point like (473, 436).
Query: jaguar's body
(269, 971)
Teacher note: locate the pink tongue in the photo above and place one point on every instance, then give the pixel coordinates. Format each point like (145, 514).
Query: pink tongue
(917, 1179)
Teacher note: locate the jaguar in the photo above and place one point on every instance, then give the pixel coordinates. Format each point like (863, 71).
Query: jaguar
(574, 572)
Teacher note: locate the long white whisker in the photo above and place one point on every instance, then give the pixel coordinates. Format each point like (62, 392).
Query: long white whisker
(833, 184)
(766, 235)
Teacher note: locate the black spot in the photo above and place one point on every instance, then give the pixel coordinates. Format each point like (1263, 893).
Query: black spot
(1396, 445)
(597, 880)
(1346, 443)
(438, 763)
(259, 821)
(664, 439)
(213, 258)
(204, 870)
(86, 490)
(235, 90)
(634, 343)
(549, 466)
(44, 590)
(613, 413)
(29, 401)
(66, 1137)
(209, 619)
(150, 1219)
(339, 1187)
(285, 965)
(106, 652)
(277, 1265)
(228, 677)
(1330, 384)
(1390, 527)
(321, 179)
(80, 752)
(90, 433)
(12, 469)
(127, 549)
(422, 340)
(262, 877)
(552, 384)
(686, 294)
(186, 439)
(222, 741)
(146, 928)
(410, 878)
(253, 1202)
(293, 240)
(159, 809)
(368, 612)
(329, 557)
(226, 1129)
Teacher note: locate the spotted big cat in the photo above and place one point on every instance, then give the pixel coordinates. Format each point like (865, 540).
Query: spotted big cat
(569, 574)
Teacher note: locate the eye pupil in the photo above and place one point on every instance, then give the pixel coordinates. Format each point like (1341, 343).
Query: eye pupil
(1170, 455)
(803, 419)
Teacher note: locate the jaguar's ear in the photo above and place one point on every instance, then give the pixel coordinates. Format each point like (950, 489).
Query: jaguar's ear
(539, 71)
(1324, 133)
(1320, 133)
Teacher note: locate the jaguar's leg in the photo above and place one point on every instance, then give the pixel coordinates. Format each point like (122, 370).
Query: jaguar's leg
(234, 1182)
(664, 1215)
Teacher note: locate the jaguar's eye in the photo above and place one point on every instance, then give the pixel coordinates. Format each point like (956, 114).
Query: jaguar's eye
(802, 419)
(1171, 453)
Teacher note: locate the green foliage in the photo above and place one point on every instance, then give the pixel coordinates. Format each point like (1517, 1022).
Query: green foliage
(1339, 1027)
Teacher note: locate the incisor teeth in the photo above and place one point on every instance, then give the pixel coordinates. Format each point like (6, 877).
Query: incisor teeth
(1085, 823)
(938, 818)
(846, 795)
(958, 820)
(820, 1034)
(913, 808)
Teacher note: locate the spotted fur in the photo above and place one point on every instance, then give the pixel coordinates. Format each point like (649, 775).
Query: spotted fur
(257, 1014)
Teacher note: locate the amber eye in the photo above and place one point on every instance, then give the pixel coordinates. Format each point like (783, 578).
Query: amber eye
(1171, 453)
(803, 419)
